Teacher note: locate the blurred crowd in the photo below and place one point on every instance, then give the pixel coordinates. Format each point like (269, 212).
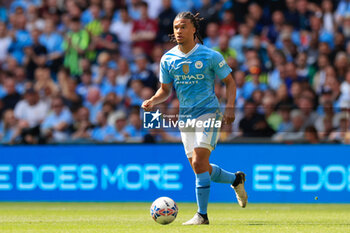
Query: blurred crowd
(78, 70)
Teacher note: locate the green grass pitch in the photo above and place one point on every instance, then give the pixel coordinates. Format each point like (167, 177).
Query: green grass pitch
(135, 218)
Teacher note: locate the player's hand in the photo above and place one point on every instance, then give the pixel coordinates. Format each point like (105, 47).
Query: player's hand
(229, 116)
(147, 105)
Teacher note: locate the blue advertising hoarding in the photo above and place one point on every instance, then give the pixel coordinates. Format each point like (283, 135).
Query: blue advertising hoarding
(275, 173)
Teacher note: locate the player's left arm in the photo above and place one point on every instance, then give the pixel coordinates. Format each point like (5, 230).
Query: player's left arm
(229, 115)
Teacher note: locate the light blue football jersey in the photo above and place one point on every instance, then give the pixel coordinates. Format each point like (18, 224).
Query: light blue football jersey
(193, 76)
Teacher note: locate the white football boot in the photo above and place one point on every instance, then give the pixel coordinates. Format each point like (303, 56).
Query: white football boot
(197, 220)
(241, 194)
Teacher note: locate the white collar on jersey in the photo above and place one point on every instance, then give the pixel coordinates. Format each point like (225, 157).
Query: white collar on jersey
(187, 54)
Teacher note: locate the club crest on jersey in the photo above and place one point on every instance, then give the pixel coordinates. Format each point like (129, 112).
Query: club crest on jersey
(198, 64)
(186, 68)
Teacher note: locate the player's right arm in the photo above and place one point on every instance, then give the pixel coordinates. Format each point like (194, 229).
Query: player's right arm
(165, 89)
(161, 95)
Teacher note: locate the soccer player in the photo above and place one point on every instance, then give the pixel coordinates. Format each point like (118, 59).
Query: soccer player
(192, 69)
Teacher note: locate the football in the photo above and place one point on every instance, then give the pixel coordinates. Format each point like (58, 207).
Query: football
(164, 210)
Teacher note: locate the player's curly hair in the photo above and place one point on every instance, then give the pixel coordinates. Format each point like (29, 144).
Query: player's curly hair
(195, 20)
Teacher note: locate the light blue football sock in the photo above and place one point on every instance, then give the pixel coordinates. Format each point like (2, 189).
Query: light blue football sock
(219, 175)
(202, 191)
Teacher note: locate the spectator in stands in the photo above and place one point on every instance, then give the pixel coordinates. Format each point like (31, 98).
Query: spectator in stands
(212, 39)
(53, 42)
(224, 49)
(208, 11)
(75, 45)
(5, 42)
(254, 124)
(100, 70)
(12, 96)
(134, 129)
(242, 41)
(327, 129)
(20, 38)
(109, 9)
(239, 77)
(133, 9)
(255, 14)
(345, 86)
(345, 26)
(296, 132)
(108, 108)
(110, 84)
(144, 74)
(325, 109)
(342, 10)
(51, 9)
(31, 111)
(134, 94)
(283, 97)
(291, 14)
(104, 132)
(228, 25)
(86, 82)
(116, 102)
(284, 112)
(341, 65)
(55, 126)
(122, 28)
(90, 14)
(119, 121)
(182, 5)
(20, 77)
(123, 75)
(68, 90)
(305, 104)
(311, 135)
(276, 27)
(254, 83)
(34, 21)
(157, 54)
(165, 22)
(273, 118)
(3, 12)
(9, 130)
(303, 14)
(93, 102)
(82, 126)
(44, 85)
(339, 134)
(144, 30)
(94, 29)
(36, 55)
(106, 41)
(305, 71)
(319, 78)
(3, 76)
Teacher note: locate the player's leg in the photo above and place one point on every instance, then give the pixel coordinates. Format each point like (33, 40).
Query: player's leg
(219, 175)
(201, 167)
(208, 138)
(188, 140)
(236, 180)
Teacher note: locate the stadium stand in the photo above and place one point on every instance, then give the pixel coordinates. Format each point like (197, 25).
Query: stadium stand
(78, 70)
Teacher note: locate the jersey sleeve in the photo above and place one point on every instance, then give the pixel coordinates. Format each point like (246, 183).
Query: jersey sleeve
(164, 76)
(220, 66)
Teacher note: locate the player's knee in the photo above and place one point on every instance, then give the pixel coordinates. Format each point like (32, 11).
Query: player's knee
(198, 166)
